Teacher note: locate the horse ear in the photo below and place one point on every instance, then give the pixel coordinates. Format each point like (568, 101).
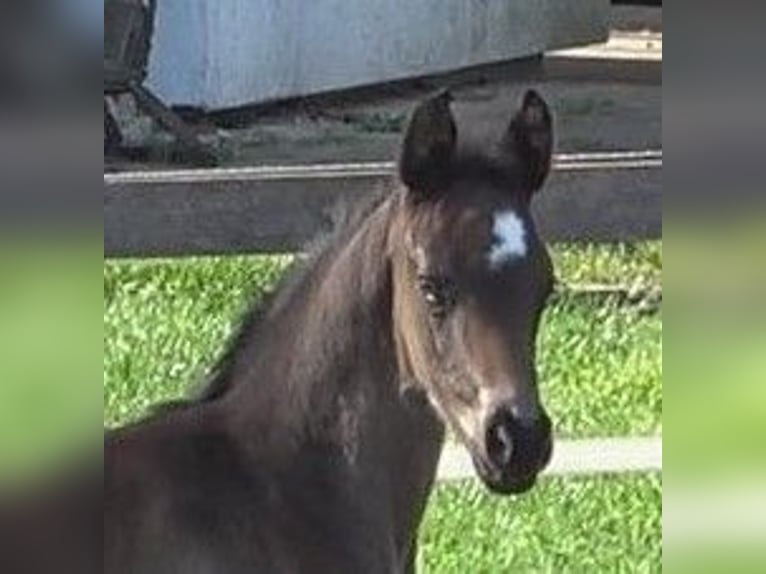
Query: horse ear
(429, 145)
(530, 139)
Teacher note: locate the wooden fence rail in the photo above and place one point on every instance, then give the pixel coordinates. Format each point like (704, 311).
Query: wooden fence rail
(602, 196)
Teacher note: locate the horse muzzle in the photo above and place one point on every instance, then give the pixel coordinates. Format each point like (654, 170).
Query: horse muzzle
(515, 451)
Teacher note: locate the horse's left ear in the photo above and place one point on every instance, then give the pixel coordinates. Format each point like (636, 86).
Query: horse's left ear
(530, 139)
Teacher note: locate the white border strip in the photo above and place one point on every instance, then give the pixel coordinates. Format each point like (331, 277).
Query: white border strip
(646, 159)
(571, 457)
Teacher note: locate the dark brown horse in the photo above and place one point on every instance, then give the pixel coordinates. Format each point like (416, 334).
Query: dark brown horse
(315, 445)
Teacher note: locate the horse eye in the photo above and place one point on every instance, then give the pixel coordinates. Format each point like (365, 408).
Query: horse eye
(438, 293)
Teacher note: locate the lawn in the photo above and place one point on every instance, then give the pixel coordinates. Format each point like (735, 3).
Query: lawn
(600, 360)
(593, 524)
(630, 264)
(601, 372)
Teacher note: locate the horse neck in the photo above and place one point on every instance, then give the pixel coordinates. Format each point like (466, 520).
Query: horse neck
(326, 381)
(326, 371)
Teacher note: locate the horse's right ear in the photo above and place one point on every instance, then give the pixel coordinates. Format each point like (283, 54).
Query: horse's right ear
(428, 146)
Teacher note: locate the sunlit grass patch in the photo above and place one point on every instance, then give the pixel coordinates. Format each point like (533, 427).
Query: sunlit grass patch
(593, 524)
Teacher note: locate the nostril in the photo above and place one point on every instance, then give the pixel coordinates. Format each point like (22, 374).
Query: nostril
(516, 446)
(500, 442)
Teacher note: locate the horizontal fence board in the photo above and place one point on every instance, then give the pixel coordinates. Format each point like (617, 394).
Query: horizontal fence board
(607, 196)
(601, 206)
(572, 457)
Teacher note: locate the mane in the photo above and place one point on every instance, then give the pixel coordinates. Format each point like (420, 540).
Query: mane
(256, 320)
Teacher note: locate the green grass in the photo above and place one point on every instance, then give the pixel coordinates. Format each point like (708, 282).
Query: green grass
(620, 263)
(594, 524)
(165, 321)
(601, 368)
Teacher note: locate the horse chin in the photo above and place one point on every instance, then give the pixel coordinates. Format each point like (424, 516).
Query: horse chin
(502, 481)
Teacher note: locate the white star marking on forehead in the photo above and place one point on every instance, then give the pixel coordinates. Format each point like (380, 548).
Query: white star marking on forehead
(509, 239)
